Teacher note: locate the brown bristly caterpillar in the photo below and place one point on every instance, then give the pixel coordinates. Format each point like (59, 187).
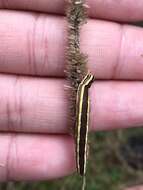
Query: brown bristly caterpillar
(76, 61)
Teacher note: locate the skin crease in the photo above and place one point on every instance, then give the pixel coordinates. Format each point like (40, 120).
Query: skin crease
(32, 46)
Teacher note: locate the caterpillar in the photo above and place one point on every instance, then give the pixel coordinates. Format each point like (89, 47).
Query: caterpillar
(80, 80)
(82, 124)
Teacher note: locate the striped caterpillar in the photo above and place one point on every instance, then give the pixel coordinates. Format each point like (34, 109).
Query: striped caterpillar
(80, 80)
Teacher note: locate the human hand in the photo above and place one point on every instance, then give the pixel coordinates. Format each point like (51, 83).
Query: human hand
(32, 94)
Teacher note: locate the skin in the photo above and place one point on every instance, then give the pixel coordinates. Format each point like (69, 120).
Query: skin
(34, 140)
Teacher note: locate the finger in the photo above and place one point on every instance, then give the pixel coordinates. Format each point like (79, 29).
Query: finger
(41, 105)
(33, 105)
(115, 10)
(35, 157)
(116, 105)
(31, 44)
(115, 52)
